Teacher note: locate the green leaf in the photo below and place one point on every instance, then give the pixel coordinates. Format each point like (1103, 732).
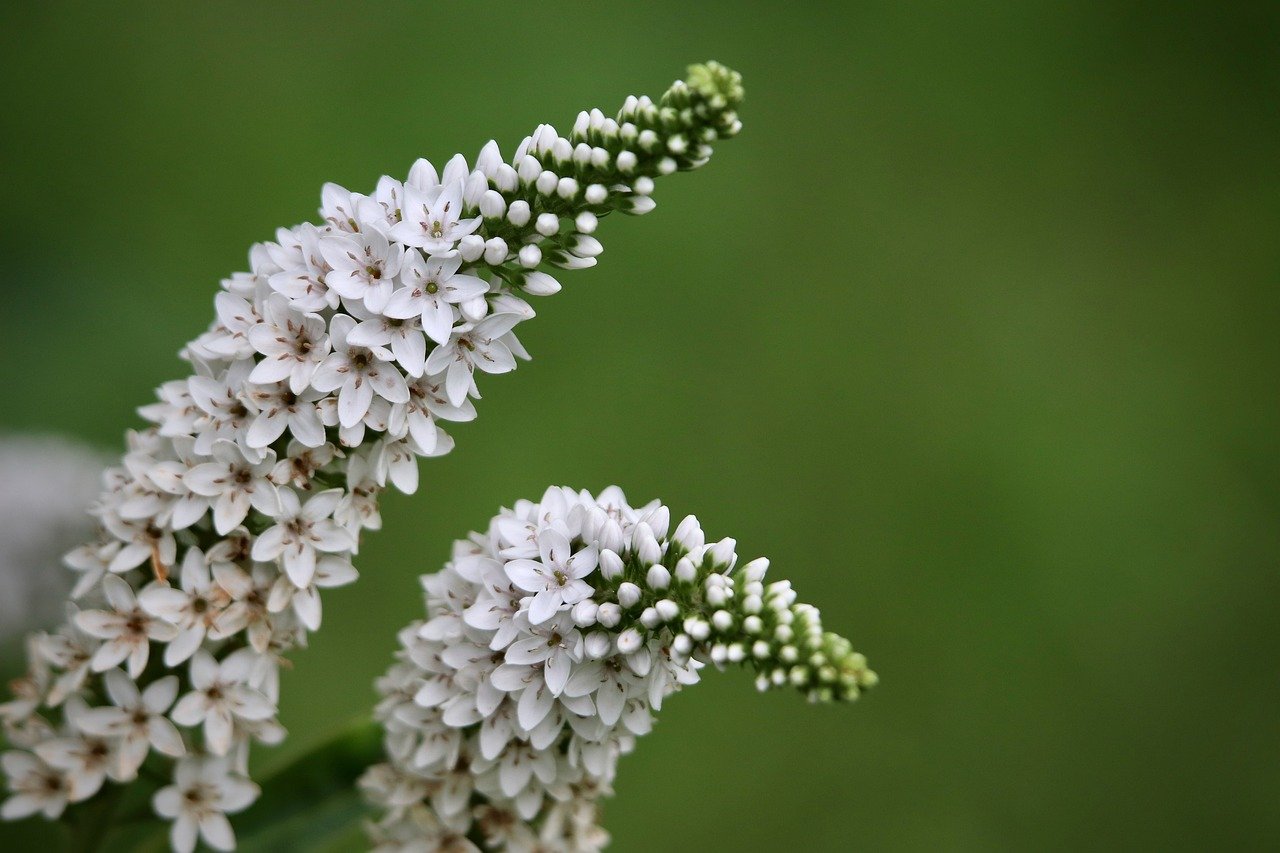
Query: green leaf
(313, 803)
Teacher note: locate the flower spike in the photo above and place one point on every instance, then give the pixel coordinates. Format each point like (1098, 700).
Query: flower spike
(330, 368)
(549, 641)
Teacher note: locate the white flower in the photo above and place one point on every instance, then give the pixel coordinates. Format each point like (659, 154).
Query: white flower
(302, 270)
(431, 218)
(137, 719)
(248, 609)
(220, 698)
(471, 347)
(302, 530)
(609, 682)
(330, 572)
(127, 628)
(185, 506)
(84, 758)
(359, 372)
(557, 645)
(143, 540)
(556, 581)
(358, 509)
(202, 795)
(37, 788)
(193, 609)
(427, 401)
(222, 399)
(403, 337)
(294, 343)
(432, 286)
(364, 267)
(236, 483)
(280, 407)
(229, 339)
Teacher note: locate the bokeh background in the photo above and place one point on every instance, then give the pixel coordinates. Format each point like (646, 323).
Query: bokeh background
(973, 331)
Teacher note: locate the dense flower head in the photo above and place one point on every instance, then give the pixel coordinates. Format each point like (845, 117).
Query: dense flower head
(333, 363)
(550, 640)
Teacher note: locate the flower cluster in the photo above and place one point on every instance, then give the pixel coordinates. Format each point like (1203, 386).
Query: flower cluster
(550, 640)
(329, 369)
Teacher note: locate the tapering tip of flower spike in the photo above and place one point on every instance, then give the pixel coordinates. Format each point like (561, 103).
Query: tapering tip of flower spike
(720, 85)
(550, 640)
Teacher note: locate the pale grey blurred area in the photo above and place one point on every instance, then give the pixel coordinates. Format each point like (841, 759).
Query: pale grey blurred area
(47, 483)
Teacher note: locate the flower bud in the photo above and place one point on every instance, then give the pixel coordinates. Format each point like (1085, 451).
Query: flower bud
(518, 213)
(584, 613)
(596, 194)
(540, 284)
(546, 182)
(567, 188)
(529, 169)
(597, 644)
(722, 621)
(570, 261)
(492, 205)
(547, 224)
(489, 159)
(722, 552)
(474, 309)
(630, 641)
(755, 570)
(649, 618)
(639, 205)
(626, 161)
(586, 246)
(628, 595)
(609, 615)
(495, 251)
(530, 256)
(611, 564)
(682, 644)
(471, 247)
(686, 571)
(586, 222)
(696, 628)
(646, 544)
(472, 191)
(688, 533)
(658, 577)
(506, 179)
(667, 609)
(659, 521)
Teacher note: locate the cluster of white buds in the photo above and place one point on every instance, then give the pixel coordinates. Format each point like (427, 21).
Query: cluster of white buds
(327, 372)
(550, 640)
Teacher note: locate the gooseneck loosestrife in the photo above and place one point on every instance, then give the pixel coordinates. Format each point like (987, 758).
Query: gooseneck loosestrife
(330, 368)
(549, 641)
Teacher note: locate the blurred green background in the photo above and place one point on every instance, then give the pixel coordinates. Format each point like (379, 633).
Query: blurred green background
(973, 331)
